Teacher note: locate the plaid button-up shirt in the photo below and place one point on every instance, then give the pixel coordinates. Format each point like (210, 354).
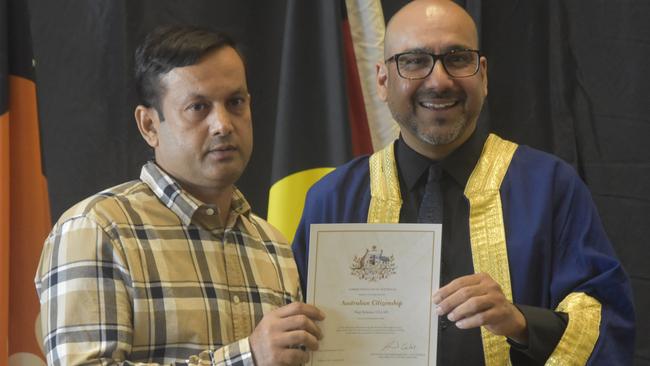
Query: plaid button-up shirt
(143, 272)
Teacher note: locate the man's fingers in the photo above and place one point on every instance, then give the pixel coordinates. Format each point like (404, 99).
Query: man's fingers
(301, 322)
(300, 308)
(453, 286)
(470, 307)
(476, 320)
(477, 300)
(459, 297)
(283, 335)
(298, 338)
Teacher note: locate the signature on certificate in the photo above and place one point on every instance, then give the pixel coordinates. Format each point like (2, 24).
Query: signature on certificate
(397, 346)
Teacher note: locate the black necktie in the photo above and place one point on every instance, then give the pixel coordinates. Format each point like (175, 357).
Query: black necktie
(431, 205)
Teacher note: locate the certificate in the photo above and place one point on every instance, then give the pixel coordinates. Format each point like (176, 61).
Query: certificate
(375, 282)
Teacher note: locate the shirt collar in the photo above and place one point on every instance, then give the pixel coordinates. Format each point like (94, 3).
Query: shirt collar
(187, 207)
(459, 164)
(410, 164)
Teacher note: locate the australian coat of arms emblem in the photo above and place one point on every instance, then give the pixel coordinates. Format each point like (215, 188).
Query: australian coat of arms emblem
(373, 265)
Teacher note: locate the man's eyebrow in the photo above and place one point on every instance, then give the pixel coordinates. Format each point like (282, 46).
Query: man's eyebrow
(196, 96)
(446, 49)
(199, 96)
(418, 50)
(457, 47)
(240, 90)
(192, 97)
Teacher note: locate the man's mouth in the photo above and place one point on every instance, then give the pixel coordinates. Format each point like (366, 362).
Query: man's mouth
(438, 105)
(222, 151)
(222, 148)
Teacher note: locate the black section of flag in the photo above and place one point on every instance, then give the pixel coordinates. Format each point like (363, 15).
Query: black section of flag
(312, 125)
(4, 59)
(20, 46)
(15, 46)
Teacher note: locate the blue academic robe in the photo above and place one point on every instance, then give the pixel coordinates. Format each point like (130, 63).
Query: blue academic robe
(555, 240)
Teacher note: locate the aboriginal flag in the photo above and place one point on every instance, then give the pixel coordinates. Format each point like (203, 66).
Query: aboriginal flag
(321, 119)
(24, 208)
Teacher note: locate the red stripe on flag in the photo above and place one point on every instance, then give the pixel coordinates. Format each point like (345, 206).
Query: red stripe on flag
(359, 132)
(4, 238)
(29, 212)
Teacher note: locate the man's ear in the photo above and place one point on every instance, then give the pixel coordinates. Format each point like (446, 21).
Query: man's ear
(382, 80)
(148, 123)
(484, 73)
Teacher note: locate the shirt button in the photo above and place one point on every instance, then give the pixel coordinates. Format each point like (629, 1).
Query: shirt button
(235, 299)
(210, 211)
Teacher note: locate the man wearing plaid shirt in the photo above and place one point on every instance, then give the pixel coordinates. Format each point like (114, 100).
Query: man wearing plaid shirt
(174, 268)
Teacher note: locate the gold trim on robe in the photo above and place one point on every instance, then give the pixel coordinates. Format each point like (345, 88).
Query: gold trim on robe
(581, 334)
(385, 197)
(487, 231)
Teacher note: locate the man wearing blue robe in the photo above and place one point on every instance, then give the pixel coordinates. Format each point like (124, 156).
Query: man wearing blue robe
(528, 275)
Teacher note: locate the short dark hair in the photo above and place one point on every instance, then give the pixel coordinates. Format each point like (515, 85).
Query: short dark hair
(167, 47)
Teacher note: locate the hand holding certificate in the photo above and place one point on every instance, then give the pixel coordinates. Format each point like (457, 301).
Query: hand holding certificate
(374, 282)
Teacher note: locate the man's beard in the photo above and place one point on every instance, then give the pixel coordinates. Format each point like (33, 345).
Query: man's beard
(434, 137)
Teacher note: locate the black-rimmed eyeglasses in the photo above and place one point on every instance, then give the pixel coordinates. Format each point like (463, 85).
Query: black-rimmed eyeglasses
(416, 65)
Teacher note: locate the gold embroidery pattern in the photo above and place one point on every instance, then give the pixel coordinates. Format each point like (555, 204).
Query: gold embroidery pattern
(385, 197)
(581, 333)
(487, 232)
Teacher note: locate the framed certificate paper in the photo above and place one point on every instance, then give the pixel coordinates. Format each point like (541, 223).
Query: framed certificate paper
(374, 282)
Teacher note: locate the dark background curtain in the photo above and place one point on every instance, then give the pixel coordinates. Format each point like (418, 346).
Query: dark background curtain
(573, 78)
(569, 77)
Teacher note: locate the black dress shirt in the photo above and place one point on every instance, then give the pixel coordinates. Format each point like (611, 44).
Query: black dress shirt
(458, 345)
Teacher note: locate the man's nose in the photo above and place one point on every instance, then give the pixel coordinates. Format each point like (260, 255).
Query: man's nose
(220, 121)
(439, 78)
